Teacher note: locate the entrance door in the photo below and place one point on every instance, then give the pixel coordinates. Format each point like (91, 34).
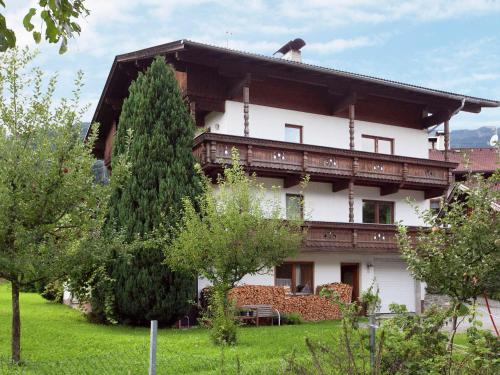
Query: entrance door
(349, 274)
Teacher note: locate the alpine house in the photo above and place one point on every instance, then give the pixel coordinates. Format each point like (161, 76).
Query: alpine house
(362, 140)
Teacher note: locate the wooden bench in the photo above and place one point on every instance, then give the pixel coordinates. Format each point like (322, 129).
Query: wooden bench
(260, 311)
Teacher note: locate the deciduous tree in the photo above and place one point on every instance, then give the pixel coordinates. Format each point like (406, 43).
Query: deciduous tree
(49, 201)
(459, 255)
(229, 231)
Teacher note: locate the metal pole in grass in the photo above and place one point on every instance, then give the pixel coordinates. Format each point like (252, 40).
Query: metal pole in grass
(371, 327)
(152, 347)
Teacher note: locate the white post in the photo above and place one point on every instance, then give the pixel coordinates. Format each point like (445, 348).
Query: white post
(152, 347)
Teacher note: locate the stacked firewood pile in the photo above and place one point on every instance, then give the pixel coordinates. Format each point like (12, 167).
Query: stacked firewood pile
(343, 290)
(310, 307)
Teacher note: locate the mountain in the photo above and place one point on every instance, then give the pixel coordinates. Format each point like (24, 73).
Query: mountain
(472, 138)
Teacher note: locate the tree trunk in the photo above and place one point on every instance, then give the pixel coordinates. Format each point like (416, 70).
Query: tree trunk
(16, 324)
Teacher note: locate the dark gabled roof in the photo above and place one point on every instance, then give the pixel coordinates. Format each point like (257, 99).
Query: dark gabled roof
(472, 104)
(475, 160)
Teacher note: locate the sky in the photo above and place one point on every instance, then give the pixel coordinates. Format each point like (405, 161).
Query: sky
(448, 45)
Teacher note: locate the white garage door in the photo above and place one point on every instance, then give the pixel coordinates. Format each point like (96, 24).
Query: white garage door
(395, 284)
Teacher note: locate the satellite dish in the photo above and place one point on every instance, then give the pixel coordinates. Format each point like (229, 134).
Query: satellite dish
(494, 140)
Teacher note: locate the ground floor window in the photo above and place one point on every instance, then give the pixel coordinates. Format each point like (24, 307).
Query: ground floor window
(298, 276)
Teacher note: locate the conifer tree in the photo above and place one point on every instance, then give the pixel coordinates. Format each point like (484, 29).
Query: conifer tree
(162, 173)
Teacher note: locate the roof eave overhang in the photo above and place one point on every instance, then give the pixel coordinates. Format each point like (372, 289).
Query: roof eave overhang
(471, 104)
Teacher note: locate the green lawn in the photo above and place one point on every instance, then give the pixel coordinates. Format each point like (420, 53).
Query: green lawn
(58, 340)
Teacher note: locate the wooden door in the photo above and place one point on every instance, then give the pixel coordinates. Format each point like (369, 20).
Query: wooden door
(349, 274)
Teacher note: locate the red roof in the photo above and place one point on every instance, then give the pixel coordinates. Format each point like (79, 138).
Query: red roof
(480, 160)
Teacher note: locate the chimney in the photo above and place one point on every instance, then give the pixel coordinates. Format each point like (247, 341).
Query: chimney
(291, 50)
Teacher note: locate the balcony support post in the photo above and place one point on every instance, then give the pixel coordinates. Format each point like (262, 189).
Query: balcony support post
(351, 201)
(354, 238)
(213, 152)
(351, 126)
(249, 155)
(446, 139)
(304, 161)
(246, 105)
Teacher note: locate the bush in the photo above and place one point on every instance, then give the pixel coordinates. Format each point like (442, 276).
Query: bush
(292, 319)
(54, 291)
(415, 344)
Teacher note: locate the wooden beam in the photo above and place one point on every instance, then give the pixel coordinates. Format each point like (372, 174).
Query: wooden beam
(433, 193)
(339, 185)
(114, 103)
(237, 87)
(351, 125)
(291, 181)
(389, 189)
(436, 118)
(344, 102)
(204, 103)
(351, 204)
(246, 107)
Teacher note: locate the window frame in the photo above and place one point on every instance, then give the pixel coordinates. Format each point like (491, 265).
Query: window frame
(301, 206)
(377, 210)
(300, 127)
(376, 138)
(294, 274)
(439, 205)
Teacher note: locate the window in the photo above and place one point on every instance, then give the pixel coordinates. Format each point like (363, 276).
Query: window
(296, 275)
(380, 145)
(435, 205)
(293, 133)
(294, 206)
(378, 212)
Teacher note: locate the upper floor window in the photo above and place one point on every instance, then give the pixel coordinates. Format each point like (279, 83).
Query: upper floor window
(293, 133)
(378, 212)
(372, 143)
(294, 206)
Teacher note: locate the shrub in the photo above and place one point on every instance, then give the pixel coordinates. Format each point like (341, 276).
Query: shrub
(292, 318)
(54, 291)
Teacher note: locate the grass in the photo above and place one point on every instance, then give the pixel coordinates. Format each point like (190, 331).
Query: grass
(58, 340)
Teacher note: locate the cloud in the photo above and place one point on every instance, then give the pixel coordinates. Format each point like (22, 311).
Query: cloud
(340, 45)
(346, 12)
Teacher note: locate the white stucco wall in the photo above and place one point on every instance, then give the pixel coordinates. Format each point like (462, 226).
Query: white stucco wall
(403, 211)
(329, 131)
(407, 142)
(327, 270)
(269, 123)
(321, 204)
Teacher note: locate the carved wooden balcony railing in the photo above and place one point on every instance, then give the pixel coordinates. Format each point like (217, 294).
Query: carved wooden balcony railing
(338, 237)
(338, 166)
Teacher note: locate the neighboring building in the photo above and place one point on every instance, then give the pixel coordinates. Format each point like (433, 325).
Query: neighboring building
(362, 140)
(470, 160)
(484, 161)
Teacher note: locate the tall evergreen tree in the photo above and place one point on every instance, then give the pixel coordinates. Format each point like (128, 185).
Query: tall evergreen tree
(162, 173)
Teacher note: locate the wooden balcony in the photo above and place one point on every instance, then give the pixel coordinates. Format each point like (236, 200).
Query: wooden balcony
(291, 161)
(352, 237)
